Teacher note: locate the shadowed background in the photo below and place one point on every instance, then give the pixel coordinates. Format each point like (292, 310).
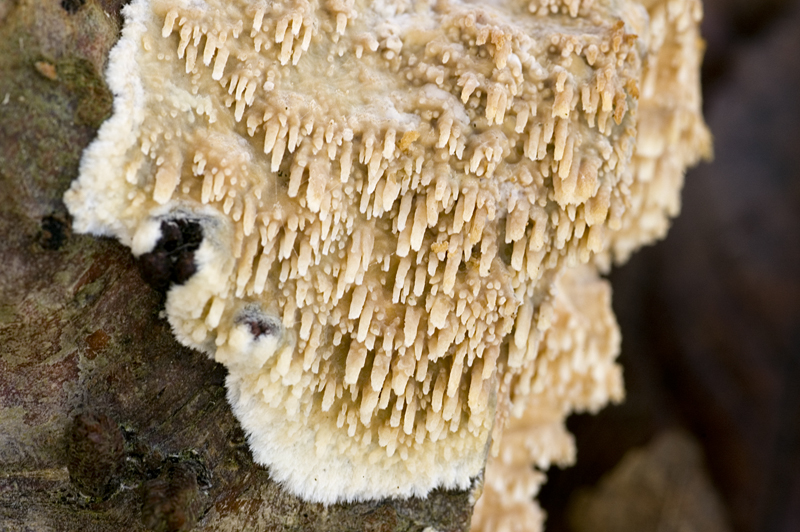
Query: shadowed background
(710, 317)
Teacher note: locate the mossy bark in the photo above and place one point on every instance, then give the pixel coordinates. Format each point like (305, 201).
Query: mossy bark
(81, 335)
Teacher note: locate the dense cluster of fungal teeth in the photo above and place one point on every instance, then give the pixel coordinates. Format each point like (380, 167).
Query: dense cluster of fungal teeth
(386, 191)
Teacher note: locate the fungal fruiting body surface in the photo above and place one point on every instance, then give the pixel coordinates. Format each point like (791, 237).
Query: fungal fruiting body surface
(397, 210)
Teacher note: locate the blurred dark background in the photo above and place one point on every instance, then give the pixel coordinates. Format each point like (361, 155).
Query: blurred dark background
(710, 317)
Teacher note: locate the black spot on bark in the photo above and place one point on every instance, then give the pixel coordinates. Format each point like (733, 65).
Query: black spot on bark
(261, 327)
(54, 233)
(172, 260)
(72, 6)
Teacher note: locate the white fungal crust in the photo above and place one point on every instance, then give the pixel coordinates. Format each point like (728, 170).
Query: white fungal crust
(386, 192)
(672, 134)
(574, 371)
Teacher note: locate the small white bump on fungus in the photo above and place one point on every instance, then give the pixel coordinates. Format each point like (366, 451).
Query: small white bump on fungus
(387, 192)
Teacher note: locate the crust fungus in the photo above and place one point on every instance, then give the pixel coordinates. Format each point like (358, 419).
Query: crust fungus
(574, 370)
(388, 193)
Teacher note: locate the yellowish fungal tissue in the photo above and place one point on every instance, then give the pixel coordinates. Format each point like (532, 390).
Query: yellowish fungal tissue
(404, 206)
